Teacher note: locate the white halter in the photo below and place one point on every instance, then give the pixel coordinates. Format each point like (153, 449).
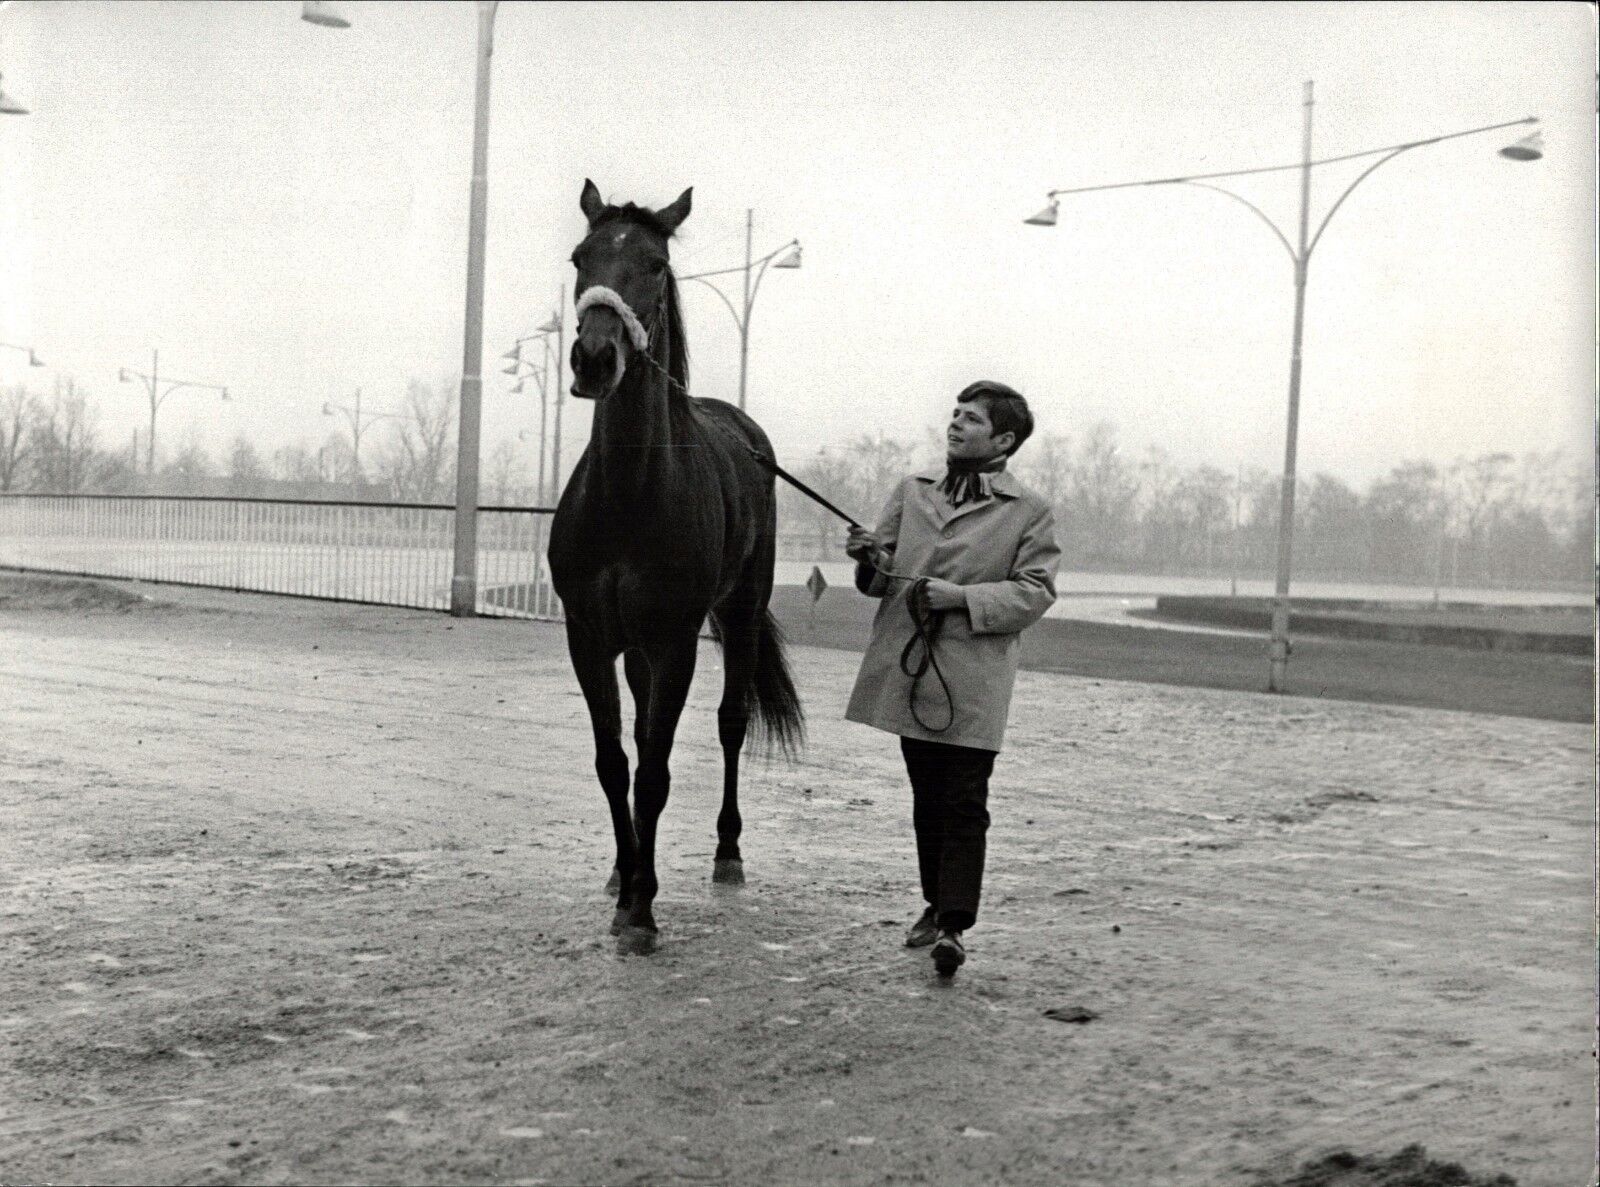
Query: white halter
(598, 294)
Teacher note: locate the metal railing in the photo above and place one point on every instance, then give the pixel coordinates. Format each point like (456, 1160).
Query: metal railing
(388, 554)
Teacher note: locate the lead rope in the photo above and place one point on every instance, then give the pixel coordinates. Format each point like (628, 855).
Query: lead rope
(924, 631)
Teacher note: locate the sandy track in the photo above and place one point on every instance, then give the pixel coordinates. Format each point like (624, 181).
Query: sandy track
(298, 892)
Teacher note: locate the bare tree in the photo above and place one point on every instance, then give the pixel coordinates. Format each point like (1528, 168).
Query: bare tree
(1046, 465)
(1102, 491)
(1476, 487)
(116, 471)
(1160, 515)
(508, 472)
(419, 465)
(1204, 496)
(297, 465)
(876, 467)
(336, 461)
(830, 474)
(1402, 518)
(186, 471)
(1332, 533)
(247, 472)
(63, 440)
(17, 412)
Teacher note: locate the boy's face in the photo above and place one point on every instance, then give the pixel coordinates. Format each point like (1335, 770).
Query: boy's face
(971, 435)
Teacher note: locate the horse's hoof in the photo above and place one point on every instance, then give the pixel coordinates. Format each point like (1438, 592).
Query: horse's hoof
(636, 941)
(728, 871)
(614, 883)
(619, 920)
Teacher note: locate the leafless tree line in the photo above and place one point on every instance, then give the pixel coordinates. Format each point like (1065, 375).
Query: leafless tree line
(53, 444)
(1493, 519)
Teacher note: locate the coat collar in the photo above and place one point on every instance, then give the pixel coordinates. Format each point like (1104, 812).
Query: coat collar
(1003, 484)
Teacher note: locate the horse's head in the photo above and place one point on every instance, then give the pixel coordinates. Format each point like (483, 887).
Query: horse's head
(623, 274)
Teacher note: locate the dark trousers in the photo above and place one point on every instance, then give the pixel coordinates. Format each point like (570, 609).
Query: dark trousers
(950, 795)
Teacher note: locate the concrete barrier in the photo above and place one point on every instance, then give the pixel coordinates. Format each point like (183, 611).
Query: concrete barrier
(1451, 624)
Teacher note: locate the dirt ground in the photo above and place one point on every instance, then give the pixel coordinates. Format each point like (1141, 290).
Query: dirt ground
(297, 892)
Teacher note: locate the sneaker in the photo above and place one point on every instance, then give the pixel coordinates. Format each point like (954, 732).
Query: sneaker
(924, 931)
(948, 954)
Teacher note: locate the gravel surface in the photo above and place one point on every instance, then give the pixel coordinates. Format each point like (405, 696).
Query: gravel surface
(297, 892)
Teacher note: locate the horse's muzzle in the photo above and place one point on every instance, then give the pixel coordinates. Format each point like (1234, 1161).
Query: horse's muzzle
(597, 364)
(599, 354)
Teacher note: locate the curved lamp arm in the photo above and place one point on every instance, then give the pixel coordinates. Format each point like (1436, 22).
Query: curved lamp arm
(1256, 210)
(737, 320)
(216, 387)
(329, 408)
(777, 251)
(766, 262)
(1365, 173)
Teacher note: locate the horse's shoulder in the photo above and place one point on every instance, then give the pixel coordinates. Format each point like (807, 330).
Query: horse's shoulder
(724, 418)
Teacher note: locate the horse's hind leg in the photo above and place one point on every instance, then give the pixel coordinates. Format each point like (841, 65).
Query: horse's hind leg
(737, 625)
(597, 677)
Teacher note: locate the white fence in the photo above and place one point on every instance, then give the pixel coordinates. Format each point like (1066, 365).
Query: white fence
(390, 554)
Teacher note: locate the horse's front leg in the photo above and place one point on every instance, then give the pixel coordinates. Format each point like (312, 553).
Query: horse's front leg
(671, 667)
(637, 669)
(597, 677)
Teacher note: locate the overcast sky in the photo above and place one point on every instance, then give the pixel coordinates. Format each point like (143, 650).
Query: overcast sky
(282, 208)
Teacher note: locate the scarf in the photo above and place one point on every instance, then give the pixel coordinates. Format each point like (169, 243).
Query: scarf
(967, 479)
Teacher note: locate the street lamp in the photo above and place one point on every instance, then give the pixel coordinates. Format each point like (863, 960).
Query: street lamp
(152, 384)
(1527, 149)
(540, 373)
(464, 568)
(33, 359)
(321, 12)
(554, 355)
(791, 259)
(9, 106)
(355, 418)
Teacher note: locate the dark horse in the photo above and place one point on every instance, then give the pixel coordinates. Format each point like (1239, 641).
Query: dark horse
(668, 520)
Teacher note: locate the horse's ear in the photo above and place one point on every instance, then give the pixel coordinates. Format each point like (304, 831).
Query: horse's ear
(590, 201)
(672, 216)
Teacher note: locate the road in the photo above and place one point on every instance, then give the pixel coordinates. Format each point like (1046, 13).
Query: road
(299, 892)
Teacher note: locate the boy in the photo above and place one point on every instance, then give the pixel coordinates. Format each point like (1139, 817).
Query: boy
(986, 546)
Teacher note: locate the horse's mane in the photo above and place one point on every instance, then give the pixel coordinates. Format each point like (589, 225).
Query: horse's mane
(678, 364)
(630, 212)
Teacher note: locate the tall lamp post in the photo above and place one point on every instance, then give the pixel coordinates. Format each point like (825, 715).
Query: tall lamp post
(1528, 148)
(553, 357)
(359, 423)
(464, 569)
(751, 287)
(152, 385)
(540, 373)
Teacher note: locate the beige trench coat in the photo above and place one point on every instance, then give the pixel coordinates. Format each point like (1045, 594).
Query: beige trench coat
(1003, 551)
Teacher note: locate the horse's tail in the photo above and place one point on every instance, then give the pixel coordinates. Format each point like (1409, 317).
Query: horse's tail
(777, 720)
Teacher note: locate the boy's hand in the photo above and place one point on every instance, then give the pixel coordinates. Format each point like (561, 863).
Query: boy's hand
(943, 595)
(863, 546)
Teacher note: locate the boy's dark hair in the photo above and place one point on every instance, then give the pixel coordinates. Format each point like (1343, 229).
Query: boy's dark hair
(1008, 411)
